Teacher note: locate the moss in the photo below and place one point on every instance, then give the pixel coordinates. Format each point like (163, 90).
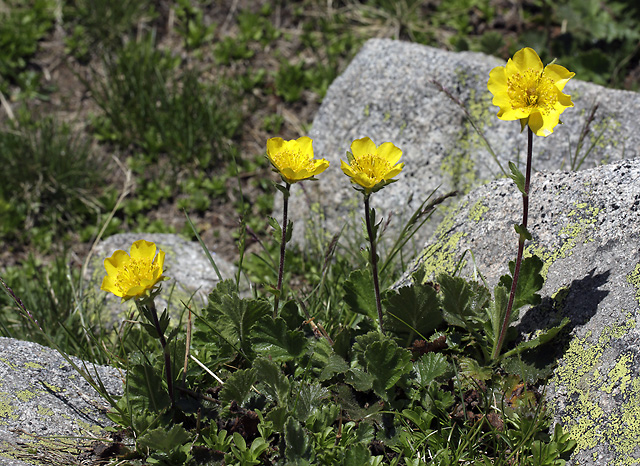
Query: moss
(589, 422)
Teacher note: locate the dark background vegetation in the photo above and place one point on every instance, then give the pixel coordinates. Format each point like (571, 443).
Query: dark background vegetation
(116, 116)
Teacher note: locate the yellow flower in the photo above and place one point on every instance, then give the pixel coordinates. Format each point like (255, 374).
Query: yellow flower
(294, 159)
(372, 167)
(526, 91)
(133, 276)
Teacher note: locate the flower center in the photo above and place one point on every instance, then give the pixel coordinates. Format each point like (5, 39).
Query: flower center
(372, 166)
(533, 90)
(134, 273)
(294, 160)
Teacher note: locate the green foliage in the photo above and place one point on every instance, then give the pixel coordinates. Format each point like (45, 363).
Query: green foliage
(49, 184)
(414, 311)
(150, 104)
(21, 27)
(102, 25)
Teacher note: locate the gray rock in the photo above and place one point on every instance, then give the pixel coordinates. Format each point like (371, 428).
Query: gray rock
(191, 276)
(388, 94)
(586, 228)
(49, 414)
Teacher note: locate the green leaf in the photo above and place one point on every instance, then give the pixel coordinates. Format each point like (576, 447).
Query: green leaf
(165, 440)
(517, 176)
(275, 384)
(359, 379)
(530, 281)
(275, 341)
(307, 398)
(387, 363)
(544, 336)
(296, 441)
(146, 389)
(522, 231)
(429, 367)
(238, 386)
(496, 313)
(324, 362)
(363, 342)
(462, 300)
(229, 320)
(359, 294)
(413, 311)
(356, 455)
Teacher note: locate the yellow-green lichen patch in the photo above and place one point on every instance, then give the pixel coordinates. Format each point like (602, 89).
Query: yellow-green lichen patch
(52, 387)
(584, 217)
(441, 256)
(7, 411)
(43, 411)
(33, 365)
(634, 279)
(477, 211)
(25, 395)
(592, 389)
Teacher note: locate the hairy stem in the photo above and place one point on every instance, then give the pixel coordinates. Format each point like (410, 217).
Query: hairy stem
(374, 259)
(163, 342)
(283, 245)
(521, 240)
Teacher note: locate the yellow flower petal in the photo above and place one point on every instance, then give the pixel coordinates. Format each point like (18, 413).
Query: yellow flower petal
(136, 274)
(389, 152)
(142, 249)
(294, 159)
(526, 58)
(525, 90)
(559, 75)
(363, 146)
(372, 167)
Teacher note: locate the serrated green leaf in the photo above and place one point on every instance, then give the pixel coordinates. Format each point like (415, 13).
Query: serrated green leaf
(238, 386)
(273, 339)
(146, 389)
(359, 294)
(324, 362)
(356, 455)
(429, 367)
(359, 379)
(517, 176)
(296, 441)
(472, 370)
(306, 399)
(362, 343)
(462, 301)
(164, 440)
(229, 319)
(544, 336)
(522, 231)
(387, 363)
(530, 281)
(413, 311)
(273, 382)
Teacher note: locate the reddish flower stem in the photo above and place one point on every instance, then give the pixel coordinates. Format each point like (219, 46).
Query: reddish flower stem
(521, 240)
(374, 259)
(283, 245)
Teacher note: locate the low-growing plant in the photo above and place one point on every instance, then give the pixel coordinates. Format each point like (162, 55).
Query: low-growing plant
(50, 182)
(149, 103)
(428, 373)
(21, 27)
